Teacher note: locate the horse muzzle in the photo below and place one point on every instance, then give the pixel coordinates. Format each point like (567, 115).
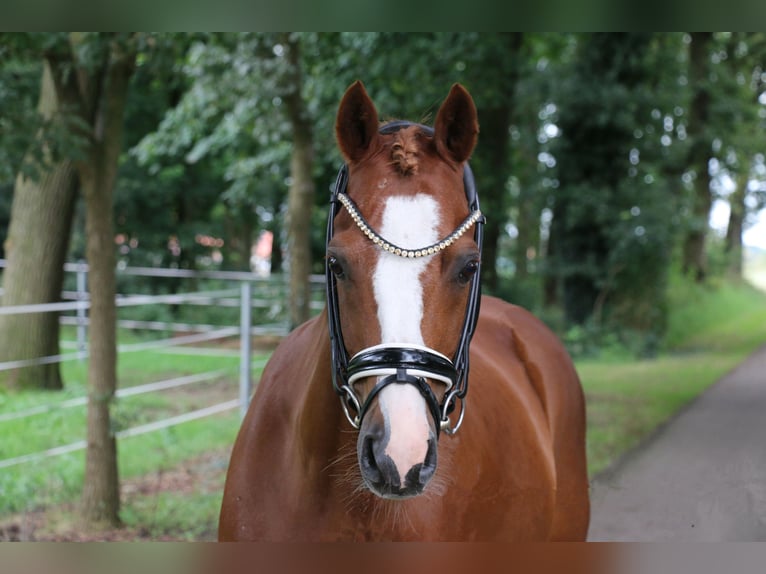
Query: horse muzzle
(400, 419)
(389, 472)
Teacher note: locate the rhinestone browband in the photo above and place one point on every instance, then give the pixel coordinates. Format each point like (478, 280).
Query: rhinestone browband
(400, 251)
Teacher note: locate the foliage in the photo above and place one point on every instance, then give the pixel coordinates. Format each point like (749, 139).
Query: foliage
(718, 316)
(612, 228)
(19, 90)
(596, 150)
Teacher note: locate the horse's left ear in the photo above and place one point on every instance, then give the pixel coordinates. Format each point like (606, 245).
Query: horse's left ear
(457, 126)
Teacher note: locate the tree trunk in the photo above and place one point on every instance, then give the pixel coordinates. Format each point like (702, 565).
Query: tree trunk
(492, 177)
(752, 65)
(101, 497)
(492, 162)
(551, 275)
(300, 198)
(97, 93)
(527, 205)
(36, 248)
(734, 229)
(100, 502)
(276, 248)
(527, 238)
(694, 255)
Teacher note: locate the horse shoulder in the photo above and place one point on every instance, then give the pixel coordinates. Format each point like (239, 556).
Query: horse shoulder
(285, 379)
(545, 359)
(267, 439)
(551, 373)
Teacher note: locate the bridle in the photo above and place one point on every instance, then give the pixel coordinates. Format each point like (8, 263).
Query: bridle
(403, 364)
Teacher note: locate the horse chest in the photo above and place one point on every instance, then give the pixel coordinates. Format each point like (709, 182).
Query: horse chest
(506, 496)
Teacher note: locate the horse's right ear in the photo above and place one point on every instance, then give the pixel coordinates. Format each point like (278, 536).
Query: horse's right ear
(356, 125)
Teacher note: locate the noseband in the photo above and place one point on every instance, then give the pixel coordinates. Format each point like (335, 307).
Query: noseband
(403, 364)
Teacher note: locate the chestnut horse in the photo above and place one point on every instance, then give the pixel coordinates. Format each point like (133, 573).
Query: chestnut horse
(403, 255)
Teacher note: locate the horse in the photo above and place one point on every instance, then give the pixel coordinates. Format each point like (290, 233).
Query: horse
(401, 458)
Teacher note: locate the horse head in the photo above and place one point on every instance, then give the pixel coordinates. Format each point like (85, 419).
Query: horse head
(403, 255)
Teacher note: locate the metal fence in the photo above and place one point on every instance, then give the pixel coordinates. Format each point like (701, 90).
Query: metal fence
(73, 310)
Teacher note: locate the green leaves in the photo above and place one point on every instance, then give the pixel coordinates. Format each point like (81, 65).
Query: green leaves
(596, 125)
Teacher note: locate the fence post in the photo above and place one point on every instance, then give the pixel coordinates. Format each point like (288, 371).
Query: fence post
(245, 382)
(82, 295)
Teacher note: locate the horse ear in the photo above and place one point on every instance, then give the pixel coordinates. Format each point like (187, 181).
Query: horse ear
(356, 125)
(457, 126)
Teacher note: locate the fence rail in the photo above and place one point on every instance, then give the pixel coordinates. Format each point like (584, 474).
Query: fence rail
(79, 302)
(135, 431)
(128, 392)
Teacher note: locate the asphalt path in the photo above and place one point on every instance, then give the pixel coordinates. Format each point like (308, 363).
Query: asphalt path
(702, 477)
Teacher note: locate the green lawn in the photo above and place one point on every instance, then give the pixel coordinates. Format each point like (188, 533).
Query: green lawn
(31, 485)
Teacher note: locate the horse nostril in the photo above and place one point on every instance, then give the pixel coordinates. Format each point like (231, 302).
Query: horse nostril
(377, 468)
(381, 474)
(413, 478)
(427, 472)
(367, 460)
(420, 474)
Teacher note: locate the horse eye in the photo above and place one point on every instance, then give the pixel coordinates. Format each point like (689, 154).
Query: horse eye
(335, 267)
(467, 272)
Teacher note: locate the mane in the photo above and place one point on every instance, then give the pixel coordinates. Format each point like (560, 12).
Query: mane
(405, 151)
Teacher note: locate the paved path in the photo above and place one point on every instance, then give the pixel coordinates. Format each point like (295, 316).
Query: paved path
(702, 478)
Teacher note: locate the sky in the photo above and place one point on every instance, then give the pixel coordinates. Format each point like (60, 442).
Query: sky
(753, 236)
(756, 235)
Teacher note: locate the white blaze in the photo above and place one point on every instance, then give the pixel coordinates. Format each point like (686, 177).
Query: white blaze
(410, 223)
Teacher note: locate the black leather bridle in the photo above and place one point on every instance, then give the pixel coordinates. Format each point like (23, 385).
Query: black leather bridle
(403, 364)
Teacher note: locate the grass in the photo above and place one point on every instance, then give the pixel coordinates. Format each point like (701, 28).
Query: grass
(168, 514)
(181, 509)
(711, 330)
(30, 486)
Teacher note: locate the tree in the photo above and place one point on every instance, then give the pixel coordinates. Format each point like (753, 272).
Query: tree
(700, 152)
(220, 154)
(91, 74)
(20, 123)
(611, 222)
(300, 197)
(162, 201)
(741, 149)
(249, 114)
(195, 166)
(36, 248)
(495, 96)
